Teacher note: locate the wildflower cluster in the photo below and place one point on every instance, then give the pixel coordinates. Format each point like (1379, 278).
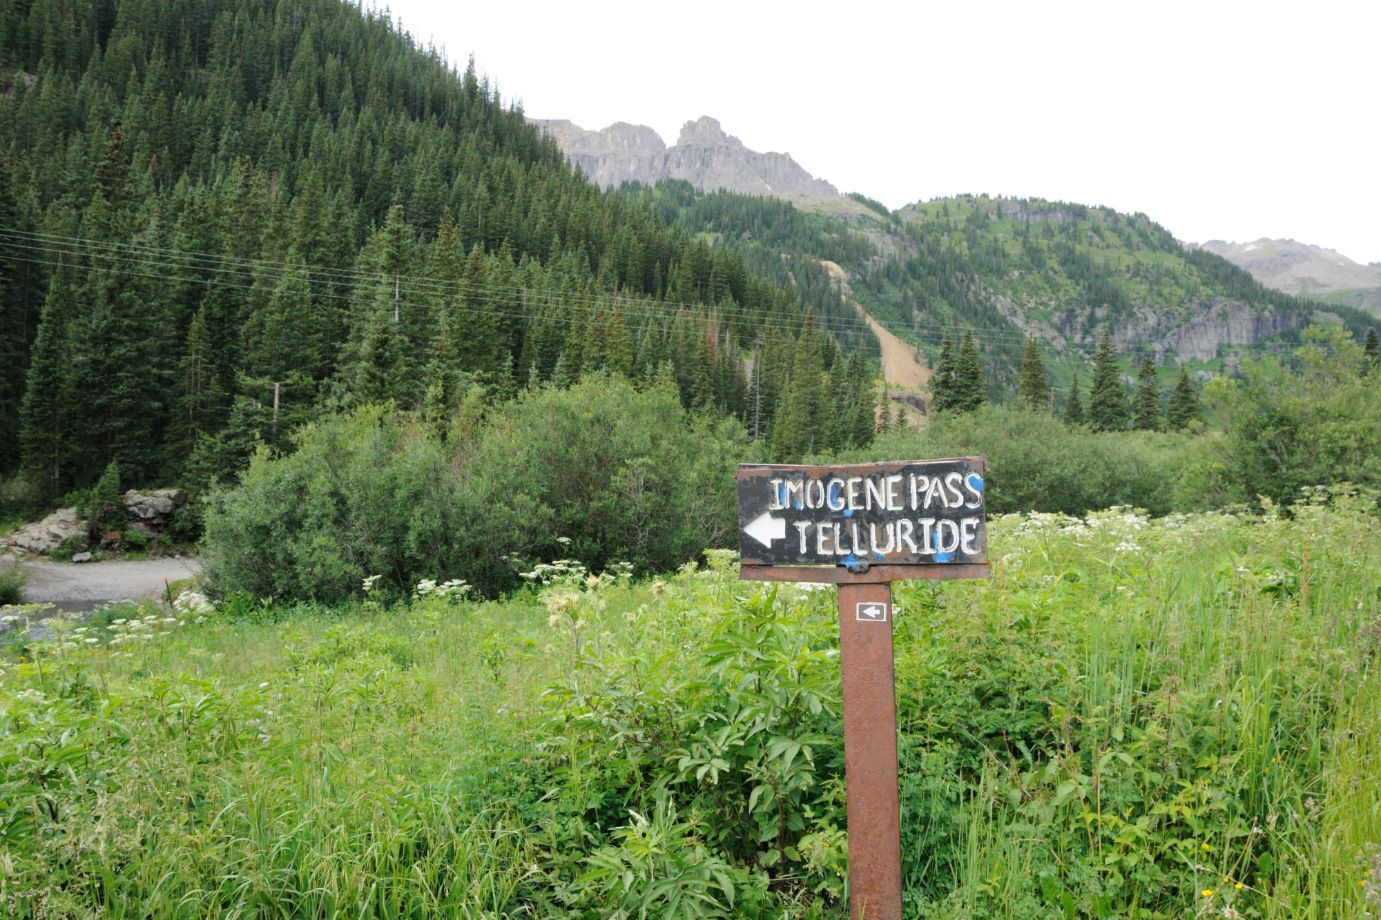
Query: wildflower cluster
(455, 589)
(194, 602)
(127, 630)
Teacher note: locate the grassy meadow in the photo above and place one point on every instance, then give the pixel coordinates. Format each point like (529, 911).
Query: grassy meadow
(1169, 717)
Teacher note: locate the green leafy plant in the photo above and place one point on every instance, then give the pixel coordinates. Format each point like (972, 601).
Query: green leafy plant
(12, 580)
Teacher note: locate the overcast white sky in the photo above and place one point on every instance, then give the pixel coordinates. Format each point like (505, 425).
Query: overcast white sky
(1221, 120)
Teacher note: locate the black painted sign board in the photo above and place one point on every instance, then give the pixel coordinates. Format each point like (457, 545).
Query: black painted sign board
(925, 513)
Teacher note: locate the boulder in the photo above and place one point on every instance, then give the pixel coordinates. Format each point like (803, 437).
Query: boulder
(81, 557)
(50, 533)
(154, 507)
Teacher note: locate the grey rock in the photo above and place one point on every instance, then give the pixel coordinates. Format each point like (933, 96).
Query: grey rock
(81, 557)
(48, 534)
(153, 506)
(704, 156)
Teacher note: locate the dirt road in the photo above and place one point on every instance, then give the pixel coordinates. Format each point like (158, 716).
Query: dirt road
(116, 579)
(902, 368)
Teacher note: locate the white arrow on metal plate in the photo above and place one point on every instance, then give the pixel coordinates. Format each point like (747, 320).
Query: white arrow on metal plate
(765, 528)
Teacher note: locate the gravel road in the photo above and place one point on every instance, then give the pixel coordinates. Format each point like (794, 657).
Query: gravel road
(115, 579)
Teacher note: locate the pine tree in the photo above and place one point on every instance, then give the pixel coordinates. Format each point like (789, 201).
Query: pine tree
(1107, 408)
(104, 507)
(862, 415)
(378, 379)
(1032, 386)
(1183, 409)
(198, 392)
(1371, 351)
(122, 410)
(1146, 405)
(942, 381)
(968, 376)
(43, 416)
(1074, 404)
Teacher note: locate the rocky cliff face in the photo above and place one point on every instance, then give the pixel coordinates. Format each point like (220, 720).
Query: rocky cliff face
(704, 156)
(1197, 332)
(617, 154)
(1304, 270)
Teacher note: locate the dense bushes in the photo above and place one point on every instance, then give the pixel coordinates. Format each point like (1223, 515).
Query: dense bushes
(1039, 464)
(1315, 422)
(600, 473)
(364, 494)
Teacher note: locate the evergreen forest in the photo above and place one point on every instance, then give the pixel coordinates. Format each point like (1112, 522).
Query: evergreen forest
(219, 220)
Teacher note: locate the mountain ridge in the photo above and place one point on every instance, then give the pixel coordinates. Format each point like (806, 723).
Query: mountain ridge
(704, 155)
(1305, 270)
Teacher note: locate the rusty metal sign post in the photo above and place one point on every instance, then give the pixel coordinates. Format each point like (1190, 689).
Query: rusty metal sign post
(862, 527)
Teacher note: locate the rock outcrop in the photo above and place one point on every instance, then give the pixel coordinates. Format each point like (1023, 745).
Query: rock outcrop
(152, 511)
(148, 512)
(619, 153)
(48, 534)
(704, 156)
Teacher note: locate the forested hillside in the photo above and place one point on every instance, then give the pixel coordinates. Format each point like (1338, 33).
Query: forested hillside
(1008, 269)
(219, 219)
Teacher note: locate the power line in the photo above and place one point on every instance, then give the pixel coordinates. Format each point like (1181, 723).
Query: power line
(137, 256)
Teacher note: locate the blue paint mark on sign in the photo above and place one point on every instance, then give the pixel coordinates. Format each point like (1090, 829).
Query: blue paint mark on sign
(848, 512)
(976, 482)
(935, 542)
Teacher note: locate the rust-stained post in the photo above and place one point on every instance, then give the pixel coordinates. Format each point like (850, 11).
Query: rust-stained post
(870, 751)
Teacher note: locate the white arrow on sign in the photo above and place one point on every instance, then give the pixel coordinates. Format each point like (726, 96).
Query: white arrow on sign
(872, 612)
(765, 528)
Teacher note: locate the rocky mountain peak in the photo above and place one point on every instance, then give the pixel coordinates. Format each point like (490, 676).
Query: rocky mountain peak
(703, 155)
(706, 130)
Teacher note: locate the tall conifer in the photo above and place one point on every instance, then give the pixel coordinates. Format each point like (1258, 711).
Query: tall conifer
(1183, 409)
(1032, 386)
(968, 375)
(44, 417)
(942, 381)
(1371, 350)
(1146, 406)
(1107, 409)
(1074, 403)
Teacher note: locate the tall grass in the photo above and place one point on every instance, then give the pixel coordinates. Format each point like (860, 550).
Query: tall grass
(1131, 719)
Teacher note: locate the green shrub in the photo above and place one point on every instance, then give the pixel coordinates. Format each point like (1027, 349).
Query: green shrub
(600, 472)
(102, 505)
(135, 539)
(12, 579)
(19, 499)
(1037, 463)
(77, 543)
(1285, 427)
(364, 494)
(184, 527)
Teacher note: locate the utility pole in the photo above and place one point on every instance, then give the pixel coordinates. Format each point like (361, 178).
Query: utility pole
(757, 389)
(276, 391)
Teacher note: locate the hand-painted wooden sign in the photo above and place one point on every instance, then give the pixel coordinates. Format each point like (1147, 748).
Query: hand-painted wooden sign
(908, 513)
(863, 527)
